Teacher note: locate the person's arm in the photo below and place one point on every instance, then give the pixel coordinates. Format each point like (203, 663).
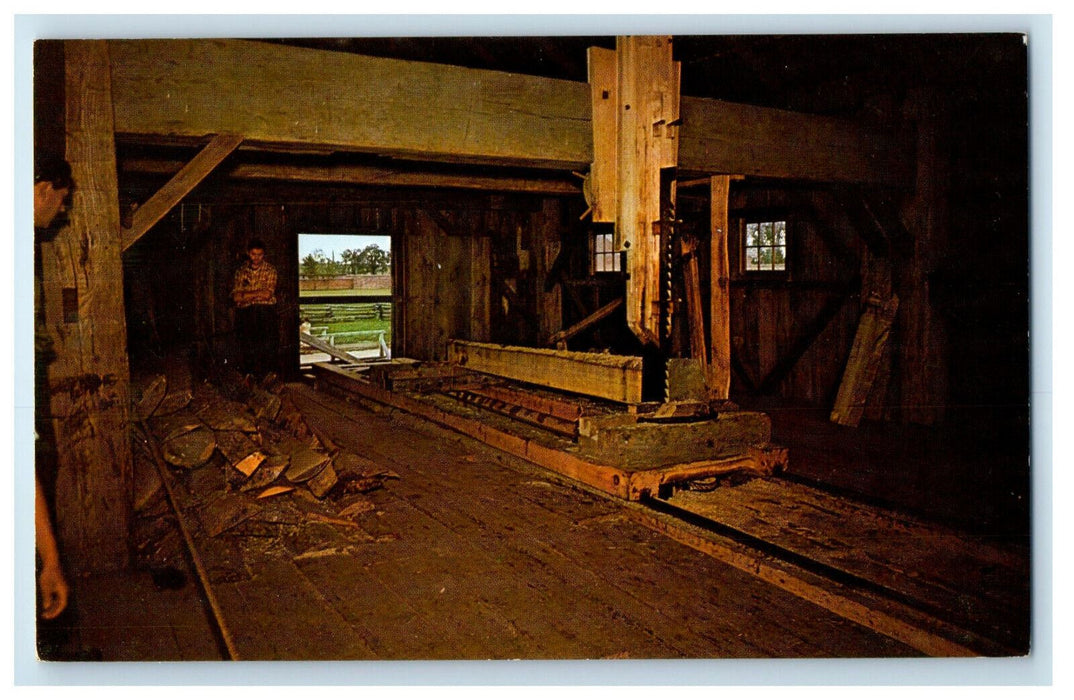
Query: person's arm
(53, 585)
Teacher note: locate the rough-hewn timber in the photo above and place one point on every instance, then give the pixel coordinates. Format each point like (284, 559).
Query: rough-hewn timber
(167, 87)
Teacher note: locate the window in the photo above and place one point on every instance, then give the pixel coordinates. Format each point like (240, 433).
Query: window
(765, 248)
(605, 258)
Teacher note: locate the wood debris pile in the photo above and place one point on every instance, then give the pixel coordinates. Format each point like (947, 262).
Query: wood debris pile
(228, 450)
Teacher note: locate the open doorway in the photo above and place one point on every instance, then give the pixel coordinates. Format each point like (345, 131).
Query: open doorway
(344, 297)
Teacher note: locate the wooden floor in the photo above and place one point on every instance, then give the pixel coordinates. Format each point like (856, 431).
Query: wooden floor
(468, 554)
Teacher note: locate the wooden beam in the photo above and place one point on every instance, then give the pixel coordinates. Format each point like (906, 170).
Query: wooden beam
(726, 137)
(277, 94)
(719, 377)
(147, 215)
(604, 95)
(647, 143)
(612, 377)
(89, 381)
(598, 315)
(369, 175)
(195, 88)
(324, 347)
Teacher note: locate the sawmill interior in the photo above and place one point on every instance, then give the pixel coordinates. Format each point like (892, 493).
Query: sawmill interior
(689, 347)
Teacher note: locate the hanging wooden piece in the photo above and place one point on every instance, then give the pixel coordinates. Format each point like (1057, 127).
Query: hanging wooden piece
(865, 356)
(647, 142)
(635, 116)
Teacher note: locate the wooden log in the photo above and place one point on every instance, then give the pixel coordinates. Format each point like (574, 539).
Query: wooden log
(83, 284)
(869, 344)
(613, 377)
(323, 482)
(306, 463)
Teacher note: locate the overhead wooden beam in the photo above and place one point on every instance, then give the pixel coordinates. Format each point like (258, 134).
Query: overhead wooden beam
(89, 381)
(727, 137)
(368, 175)
(147, 215)
(175, 88)
(612, 377)
(278, 94)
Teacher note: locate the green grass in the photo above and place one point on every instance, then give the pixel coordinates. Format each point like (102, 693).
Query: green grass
(344, 293)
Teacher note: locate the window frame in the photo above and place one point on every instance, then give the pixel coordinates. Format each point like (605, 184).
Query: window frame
(609, 253)
(743, 220)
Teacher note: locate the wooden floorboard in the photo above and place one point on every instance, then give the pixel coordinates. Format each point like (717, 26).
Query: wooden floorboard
(541, 569)
(968, 581)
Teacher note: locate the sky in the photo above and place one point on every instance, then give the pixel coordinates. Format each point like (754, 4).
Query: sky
(330, 243)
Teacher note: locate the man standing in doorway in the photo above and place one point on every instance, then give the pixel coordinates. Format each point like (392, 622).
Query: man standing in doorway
(254, 295)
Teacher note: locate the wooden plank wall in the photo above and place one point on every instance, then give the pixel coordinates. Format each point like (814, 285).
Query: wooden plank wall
(454, 269)
(769, 315)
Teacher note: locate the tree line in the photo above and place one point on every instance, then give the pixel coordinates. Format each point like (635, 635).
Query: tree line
(371, 260)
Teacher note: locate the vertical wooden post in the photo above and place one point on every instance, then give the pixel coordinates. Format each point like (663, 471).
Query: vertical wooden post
(89, 380)
(480, 286)
(923, 341)
(648, 113)
(603, 173)
(719, 289)
(546, 236)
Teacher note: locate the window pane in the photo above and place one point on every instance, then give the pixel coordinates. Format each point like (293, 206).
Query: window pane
(781, 233)
(751, 259)
(766, 233)
(751, 235)
(779, 259)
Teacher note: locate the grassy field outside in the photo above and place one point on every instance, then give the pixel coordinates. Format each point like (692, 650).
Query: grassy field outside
(343, 329)
(344, 293)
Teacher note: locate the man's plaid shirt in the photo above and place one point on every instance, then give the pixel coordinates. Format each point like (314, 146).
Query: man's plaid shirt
(247, 279)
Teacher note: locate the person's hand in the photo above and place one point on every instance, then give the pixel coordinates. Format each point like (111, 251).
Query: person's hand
(54, 591)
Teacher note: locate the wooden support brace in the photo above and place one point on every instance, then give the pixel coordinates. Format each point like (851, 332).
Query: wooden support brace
(179, 186)
(598, 315)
